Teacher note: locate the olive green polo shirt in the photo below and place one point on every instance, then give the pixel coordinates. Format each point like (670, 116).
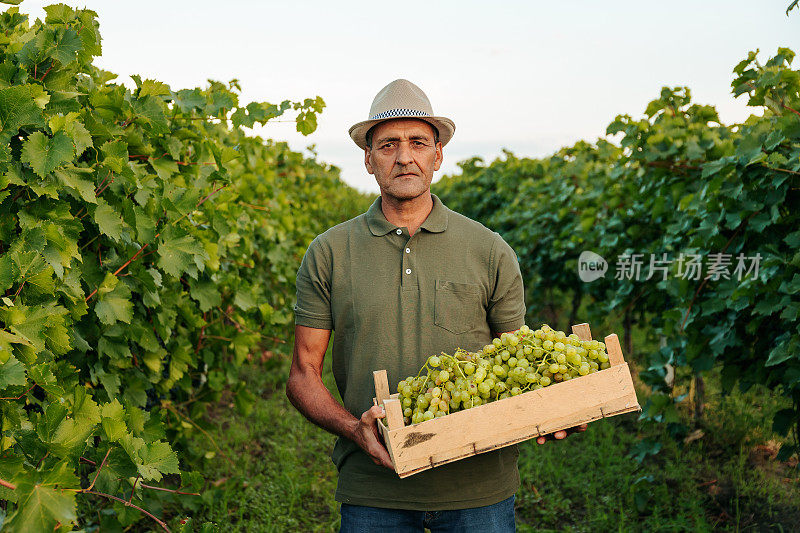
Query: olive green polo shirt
(392, 301)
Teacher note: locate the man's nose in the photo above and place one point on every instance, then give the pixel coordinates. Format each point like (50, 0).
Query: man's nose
(404, 154)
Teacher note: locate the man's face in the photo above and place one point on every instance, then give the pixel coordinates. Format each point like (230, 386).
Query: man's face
(403, 157)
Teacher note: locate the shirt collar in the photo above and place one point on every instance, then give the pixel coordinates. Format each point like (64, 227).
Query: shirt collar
(436, 222)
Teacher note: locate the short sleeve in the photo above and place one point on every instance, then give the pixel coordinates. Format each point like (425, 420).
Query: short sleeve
(313, 307)
(506, 310)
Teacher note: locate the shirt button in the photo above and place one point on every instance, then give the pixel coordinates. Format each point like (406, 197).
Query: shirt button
(408, 271)
(399, 231)
(408, 250)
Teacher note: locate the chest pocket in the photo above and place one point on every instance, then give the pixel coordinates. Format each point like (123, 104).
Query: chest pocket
(457, 307)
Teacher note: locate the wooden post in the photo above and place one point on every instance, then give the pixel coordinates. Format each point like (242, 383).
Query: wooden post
(394, 413)
(381, 385)
(614, 351)
(582, 331)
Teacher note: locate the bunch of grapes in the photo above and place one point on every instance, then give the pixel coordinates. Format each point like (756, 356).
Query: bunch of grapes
(514, 363)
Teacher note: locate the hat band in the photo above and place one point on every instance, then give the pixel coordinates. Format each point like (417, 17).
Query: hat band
(399, 113)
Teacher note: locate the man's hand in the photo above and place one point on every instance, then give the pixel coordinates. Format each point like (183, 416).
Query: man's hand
(562, 434)
(366, 435)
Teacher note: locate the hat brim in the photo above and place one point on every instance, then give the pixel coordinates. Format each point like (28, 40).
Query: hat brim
(445, 127)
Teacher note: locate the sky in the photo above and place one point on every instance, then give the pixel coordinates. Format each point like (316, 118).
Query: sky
(527, 76)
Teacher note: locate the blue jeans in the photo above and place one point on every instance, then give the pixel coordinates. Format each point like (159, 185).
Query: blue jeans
(497, 518)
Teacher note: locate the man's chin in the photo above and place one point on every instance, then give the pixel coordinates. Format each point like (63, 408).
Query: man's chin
(404, 194)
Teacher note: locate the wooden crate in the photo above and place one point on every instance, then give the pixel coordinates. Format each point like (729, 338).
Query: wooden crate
(490, 426)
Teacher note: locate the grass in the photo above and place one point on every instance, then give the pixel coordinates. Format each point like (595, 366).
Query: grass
(728, 479)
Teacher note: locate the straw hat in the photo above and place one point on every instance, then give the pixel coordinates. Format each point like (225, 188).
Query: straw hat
(401, 99)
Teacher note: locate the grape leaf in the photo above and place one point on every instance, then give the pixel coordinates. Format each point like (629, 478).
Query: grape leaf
(12, 372)
(43, 153)
(72, 126)
(176, 254)
(17, 108)
(108, 220)
(75, 179)
(113, 301)
(42, 504)
(67, 47)
(157, 458)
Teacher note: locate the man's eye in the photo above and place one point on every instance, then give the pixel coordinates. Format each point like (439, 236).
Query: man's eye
(387, 145)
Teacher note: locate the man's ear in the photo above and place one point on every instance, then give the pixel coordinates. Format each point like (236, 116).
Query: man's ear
(439, 157)
(366, 160)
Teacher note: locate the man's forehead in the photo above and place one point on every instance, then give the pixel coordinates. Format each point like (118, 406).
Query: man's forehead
(403, 126)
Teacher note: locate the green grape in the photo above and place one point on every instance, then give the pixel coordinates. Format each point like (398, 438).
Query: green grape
(436, 392)
(450, 386)
(484, 388)
(544, 381)
(531, 377)
(428, 415)
(553, 367)
(407, 412)
(497, 342)
(406, 402)
(469, 368)
(512, 362)
(603, 357)
(604, 365)
(562, 368)
(434, 361)
(514, 391)
(561, 358)
(559, 346)
(523, 363)
(504, 355)
(443, 376)
(503, 396)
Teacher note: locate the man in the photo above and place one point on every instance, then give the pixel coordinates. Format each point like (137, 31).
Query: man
(407, 279)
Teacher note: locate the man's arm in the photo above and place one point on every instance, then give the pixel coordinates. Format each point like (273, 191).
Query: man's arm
(312, 398)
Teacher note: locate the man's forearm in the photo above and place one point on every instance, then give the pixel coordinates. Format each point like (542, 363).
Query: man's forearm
(311, 397)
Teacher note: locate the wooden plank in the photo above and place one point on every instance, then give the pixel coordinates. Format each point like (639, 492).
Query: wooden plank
(407, 466)
(504, 422)
(614, 350)
(381, 385)
(582, 331)
(394, 413)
